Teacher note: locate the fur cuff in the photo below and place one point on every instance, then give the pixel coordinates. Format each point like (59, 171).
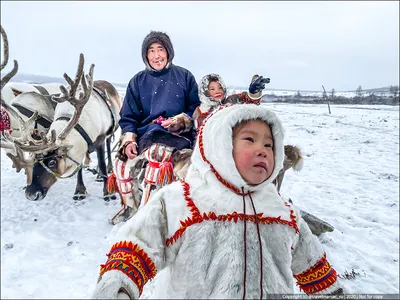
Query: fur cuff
(127, 137)
(256, 96)
(183, 123)
(111, 282)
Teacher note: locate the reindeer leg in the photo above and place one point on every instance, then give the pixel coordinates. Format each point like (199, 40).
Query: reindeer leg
(109, 158)
(80, 191)
(99, 177)
(103, 169)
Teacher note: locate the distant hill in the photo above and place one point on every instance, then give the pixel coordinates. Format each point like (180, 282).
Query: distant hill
(374, 90)
(31, 78)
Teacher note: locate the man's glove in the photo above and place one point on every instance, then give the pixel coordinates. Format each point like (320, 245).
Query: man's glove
(258, 85)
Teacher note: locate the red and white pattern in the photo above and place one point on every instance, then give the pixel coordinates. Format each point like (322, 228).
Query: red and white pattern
(125, 183)
(5, 121)
(159, 170)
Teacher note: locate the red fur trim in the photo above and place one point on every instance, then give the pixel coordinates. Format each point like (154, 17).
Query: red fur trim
(132, 261)
(211, 216)
(317, 278)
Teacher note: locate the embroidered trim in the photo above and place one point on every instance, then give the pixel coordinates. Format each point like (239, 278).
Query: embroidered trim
(201, 116)
(317, 278)
(124, 181)
(247, 100)
(201, 147)
(132, 261)
(211, 216)
(5, 121)
(159, 170)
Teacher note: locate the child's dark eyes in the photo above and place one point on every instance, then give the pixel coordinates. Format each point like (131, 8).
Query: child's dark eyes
(268, 145)
(250, 139)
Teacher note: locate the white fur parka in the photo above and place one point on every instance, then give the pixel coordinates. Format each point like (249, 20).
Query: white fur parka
(204, 235)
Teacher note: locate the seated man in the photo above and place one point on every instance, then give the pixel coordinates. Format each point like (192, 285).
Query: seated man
(155, 116)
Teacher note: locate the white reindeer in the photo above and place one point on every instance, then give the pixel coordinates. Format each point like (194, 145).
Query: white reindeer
(83, 120)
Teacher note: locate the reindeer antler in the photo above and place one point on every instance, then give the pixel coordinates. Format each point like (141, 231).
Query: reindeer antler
(70, 96)
(23, 125)
(14, 71)
(20, 162)
(6, 141)
(47, 143)
(38, 146)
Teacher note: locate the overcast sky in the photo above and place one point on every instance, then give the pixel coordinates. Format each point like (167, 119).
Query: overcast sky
(299, 45)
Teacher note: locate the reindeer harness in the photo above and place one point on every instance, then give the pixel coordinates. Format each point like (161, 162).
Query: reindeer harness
(78, 166)
(85, 136)
(28, 113)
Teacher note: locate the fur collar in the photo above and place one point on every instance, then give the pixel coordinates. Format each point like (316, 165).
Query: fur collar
(207, 103)
(218, 151)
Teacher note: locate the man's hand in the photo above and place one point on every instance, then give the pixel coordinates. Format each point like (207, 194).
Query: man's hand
(131, 150)
(258, 85)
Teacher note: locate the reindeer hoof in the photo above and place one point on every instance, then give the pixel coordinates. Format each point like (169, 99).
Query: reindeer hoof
(109, 197)
(79, 196)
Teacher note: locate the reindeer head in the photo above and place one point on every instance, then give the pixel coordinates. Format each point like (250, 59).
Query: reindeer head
(51, 152)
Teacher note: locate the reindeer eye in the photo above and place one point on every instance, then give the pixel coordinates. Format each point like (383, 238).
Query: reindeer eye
(52, 163)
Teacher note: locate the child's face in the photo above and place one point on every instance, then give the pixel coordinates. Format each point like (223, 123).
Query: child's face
(216, 91)
(253, 151)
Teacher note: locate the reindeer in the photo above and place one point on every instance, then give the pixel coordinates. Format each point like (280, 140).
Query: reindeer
(25, 98)
(60, 153)
(20, 100)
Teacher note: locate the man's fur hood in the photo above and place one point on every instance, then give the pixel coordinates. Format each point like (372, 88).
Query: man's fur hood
(206, 101)
(160, 38)
(215, 137)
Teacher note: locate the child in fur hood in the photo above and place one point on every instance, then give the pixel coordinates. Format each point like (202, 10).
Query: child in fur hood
(224, 232)
(212, 93)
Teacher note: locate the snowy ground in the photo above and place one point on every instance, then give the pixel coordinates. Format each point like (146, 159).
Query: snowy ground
(53, 248)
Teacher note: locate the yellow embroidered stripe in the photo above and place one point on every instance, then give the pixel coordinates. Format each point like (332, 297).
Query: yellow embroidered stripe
(132, 261)
(317, 278)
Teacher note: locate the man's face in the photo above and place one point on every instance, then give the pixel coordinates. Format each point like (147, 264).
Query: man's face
(157, 56)
(215, 90)
(253, 151)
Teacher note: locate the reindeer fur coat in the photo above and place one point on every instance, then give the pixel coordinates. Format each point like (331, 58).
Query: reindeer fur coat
(194, 233)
